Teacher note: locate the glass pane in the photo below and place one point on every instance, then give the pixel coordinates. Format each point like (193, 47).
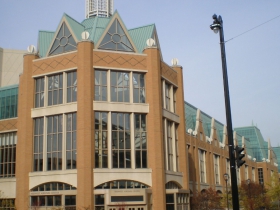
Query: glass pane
(49, 200)
(144, 159)
(169, 198)
(113, 78)
(138, 159)
(57, 200)
(104, 78)
(113, 94)
(135, 95)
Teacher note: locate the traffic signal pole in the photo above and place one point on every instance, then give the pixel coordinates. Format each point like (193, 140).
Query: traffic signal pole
(218, 24)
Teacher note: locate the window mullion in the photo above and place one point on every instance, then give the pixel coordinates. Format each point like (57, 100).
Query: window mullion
(64, 142)
(64, 88)
(109, 140)
(109, 86)
(131, 88)
(163, 94)
(173, 146)
(46, 91)
(166, 144)
(171, 104)
(132, 140)
(45, 144)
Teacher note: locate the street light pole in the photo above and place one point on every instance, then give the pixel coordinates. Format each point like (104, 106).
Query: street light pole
(226, 176)
(217, 26)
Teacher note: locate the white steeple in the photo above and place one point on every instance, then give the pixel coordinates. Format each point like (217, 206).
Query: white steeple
(101, 8)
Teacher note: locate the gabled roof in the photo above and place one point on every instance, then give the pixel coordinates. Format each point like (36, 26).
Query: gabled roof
(96, 27)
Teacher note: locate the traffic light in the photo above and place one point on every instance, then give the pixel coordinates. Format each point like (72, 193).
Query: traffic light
(239, 156)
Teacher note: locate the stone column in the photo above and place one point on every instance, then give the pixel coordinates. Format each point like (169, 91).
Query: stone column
(155, 127)
(24, 152)
(85, 125)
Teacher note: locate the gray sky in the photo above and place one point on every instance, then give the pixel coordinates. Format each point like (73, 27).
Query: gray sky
(183, 28)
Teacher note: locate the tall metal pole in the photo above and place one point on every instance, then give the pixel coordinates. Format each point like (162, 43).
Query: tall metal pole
(218, 24)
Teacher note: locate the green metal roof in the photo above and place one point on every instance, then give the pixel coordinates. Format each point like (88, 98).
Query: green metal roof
(76, 27)
(44, 41)
(95, 26)
(258, 145)
(141, 35)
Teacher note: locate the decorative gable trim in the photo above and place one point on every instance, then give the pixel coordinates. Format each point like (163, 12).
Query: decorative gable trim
(66, 38)
(116, 37)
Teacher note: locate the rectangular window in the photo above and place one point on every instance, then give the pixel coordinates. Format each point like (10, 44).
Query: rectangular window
(253, 175)
(139, 88)
(70, 200)
(167, 96)
(38, 144)
(201, 155)
(39, 92)
(121, 148)
(7, 204)
(140, 140)
(100, 85)
(101, 140)
(182, 201)
(176, 145)
(216, 169)
(8, 102)
(71, 86)
(37, 201)
(170, 146)
(54, 143)
(170, 202)
(246, 172)
(99, 202)
(55, 87)
(8, 154)
(260, 173)
(120, 86)
(71, 141)
(174, 99)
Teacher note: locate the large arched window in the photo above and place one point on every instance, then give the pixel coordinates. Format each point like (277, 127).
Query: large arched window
(53, 194)
(121, 184)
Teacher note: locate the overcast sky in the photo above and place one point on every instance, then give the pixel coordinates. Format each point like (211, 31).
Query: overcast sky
(253, 59)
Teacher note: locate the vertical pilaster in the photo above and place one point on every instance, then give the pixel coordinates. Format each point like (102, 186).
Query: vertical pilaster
(155, 128)
(180, 110)
(85, 125)
(24, 151)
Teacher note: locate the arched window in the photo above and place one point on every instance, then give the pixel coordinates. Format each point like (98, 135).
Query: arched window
(121, 184)
(53, 194)
(172, 185)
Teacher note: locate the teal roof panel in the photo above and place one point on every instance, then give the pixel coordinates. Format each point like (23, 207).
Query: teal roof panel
(44, 41)
(76, 27)
(141, 35)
